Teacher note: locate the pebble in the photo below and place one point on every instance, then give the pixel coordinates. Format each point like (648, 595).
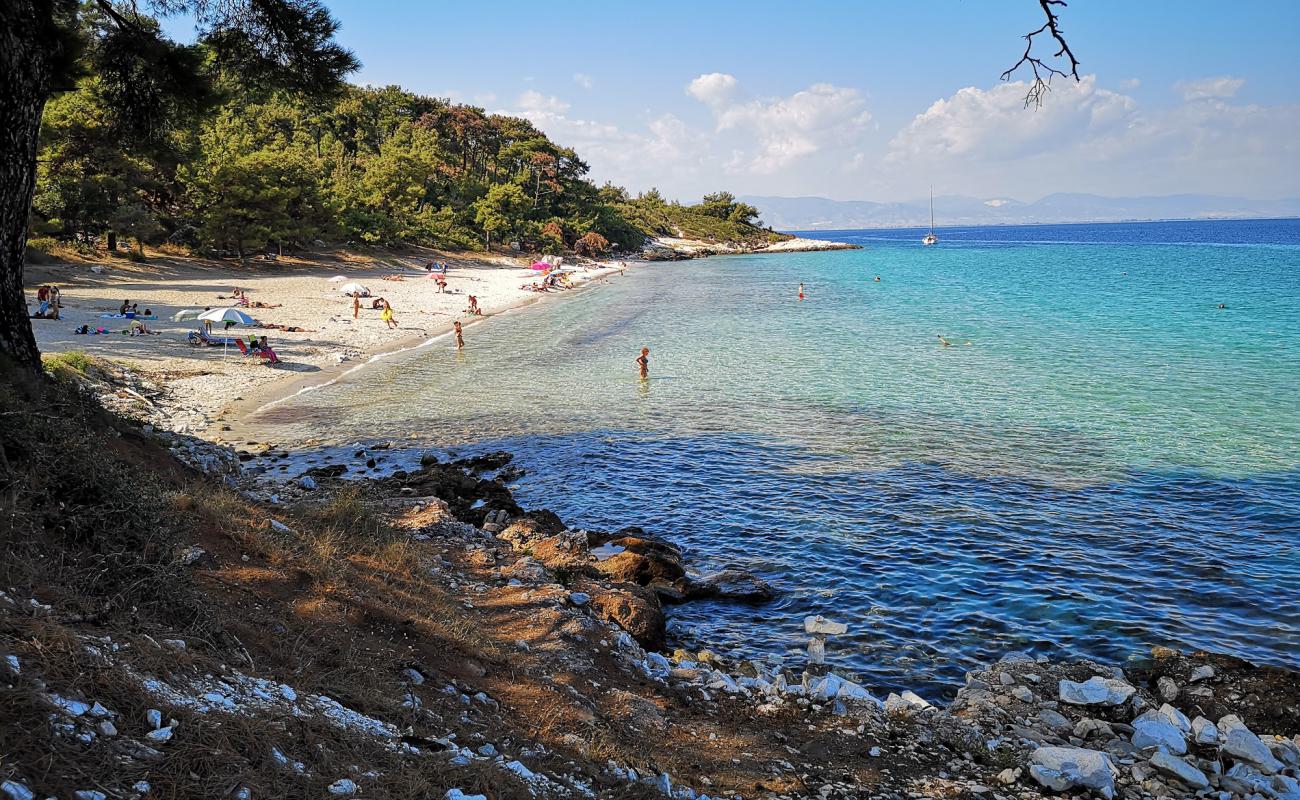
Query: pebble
(343, 786)
(13, 790)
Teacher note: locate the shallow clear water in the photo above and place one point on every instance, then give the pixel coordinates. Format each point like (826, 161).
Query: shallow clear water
(1111, 462)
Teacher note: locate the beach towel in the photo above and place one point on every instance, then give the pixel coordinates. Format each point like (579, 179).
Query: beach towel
(127, 316)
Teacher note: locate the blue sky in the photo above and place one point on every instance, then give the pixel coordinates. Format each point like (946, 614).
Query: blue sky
(867, 100)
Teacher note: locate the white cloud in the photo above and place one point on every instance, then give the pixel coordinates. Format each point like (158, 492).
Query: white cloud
(714, 88)
(783, 129)
(994, 123)
(486, 98)
(536, 101)
(1129, 84)
(584, 80)
(1087, 138)
(1206, 88)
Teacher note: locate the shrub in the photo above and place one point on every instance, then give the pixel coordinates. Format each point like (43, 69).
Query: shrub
(593, 244)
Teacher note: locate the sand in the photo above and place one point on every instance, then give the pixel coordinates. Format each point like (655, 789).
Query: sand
(202, 384)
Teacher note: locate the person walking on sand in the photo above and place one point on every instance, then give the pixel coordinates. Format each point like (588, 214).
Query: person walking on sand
(356, 304)
(460, 337)
(643, 363)
(387, 315)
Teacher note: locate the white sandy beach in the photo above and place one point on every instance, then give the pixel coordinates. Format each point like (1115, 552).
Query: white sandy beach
(202, 382)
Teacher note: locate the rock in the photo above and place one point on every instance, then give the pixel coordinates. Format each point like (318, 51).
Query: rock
(566, 550)
(1096, 691)
(1054, 720)
(642, 569)
(579, 598)
(1023, 694)
(730, 584)
(331, 471)
(13, 790)
(1167, 689)
(160, 735)
(637, 611)
(1204, 731)
(820, 625)
(1243, 745)
(154, 717)
(1064, 768)
(343, 787)
(1009, 775)
(1088, 728)
(1175, 717)
(1153, 730)
(457, 794)
(1201, 673)
(307, 482)
(277, 525)
(1176, 767)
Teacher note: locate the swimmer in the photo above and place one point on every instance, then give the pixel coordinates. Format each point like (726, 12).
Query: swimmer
(877, 279)
(946, 343)
(1223, 305)
(643, 363)
(800, 291)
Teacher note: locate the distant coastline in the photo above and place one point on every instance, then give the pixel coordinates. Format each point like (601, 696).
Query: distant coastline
(801, 232)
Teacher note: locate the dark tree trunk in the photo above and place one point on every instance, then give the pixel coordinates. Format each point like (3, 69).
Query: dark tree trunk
(23, 90)
(112, 242)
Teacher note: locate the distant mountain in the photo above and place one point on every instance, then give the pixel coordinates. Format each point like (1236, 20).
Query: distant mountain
(820, 213)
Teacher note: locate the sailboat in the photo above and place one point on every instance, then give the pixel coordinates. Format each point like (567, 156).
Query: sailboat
(930, 238)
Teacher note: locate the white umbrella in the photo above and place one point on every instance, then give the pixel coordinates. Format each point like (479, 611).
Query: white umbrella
(338, 278)
(354, 288)
(226, 315)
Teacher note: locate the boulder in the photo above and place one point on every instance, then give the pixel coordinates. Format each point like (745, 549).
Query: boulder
(1053, 720)
(1176, 767)
(1243, 745)
(637, 611)
(1154, 730)
(565, 550)
(1204, 731)
(1063, 768)
(825, 627)
(642, 568)
(729, 584)
(1097, 691)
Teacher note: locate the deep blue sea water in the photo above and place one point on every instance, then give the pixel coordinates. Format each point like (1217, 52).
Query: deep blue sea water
(1102, 460)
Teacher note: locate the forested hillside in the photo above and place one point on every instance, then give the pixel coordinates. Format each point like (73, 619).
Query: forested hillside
(270, 170)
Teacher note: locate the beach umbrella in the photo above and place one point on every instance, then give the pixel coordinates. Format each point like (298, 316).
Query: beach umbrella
(233, 315)
(354, 288)
(540, 265)
(338, 278)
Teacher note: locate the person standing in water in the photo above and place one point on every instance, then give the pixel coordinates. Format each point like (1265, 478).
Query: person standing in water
(460, 338)
(800, 290)
(643, 363)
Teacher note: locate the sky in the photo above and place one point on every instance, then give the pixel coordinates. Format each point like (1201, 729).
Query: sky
(867, 100)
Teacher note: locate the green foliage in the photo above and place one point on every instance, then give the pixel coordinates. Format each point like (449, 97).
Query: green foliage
(230, 164)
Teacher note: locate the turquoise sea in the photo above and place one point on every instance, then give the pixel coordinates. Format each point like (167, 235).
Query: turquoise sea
(1103, 459)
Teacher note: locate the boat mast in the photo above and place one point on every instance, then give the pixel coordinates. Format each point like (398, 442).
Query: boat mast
(932, 209)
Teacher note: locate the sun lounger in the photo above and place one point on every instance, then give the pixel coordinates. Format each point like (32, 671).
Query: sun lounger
(200, 339)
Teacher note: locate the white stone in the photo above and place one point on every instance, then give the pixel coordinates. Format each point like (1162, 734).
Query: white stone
(1204, 731)
(280, 526)
(106, 728)
(160, 735)
(1153, 730)
(143, 787)
(343, 786)
(73, 708)
(1203, 672)
(13, 790)
(307, 482)
(14, 665)
(457, 794)
(1096, 691)
(1175, 717)
(412, 676)
(1175, 767)
(579, 598)
(826, 627)
(1243, 745)
(154, 716)
(1167, 688)
(89, 794)
(1063, 768)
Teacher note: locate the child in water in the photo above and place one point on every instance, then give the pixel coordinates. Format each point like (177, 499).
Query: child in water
(643, 363)
(800, 291)
(460, 339)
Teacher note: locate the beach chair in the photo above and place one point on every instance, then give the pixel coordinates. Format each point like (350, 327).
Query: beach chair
(243, 348)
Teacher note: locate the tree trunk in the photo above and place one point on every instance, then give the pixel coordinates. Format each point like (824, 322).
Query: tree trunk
(26, 70)
(112, 242)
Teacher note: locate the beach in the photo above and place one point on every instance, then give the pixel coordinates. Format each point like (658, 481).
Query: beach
(199, 384)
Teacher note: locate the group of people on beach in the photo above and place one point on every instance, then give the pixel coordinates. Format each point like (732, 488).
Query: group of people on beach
(50, 301)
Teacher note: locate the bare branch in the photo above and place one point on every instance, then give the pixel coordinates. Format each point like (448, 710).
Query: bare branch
(1043, 72)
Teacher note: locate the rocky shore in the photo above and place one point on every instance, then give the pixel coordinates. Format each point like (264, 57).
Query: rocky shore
(666, 248)
(378, 625)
